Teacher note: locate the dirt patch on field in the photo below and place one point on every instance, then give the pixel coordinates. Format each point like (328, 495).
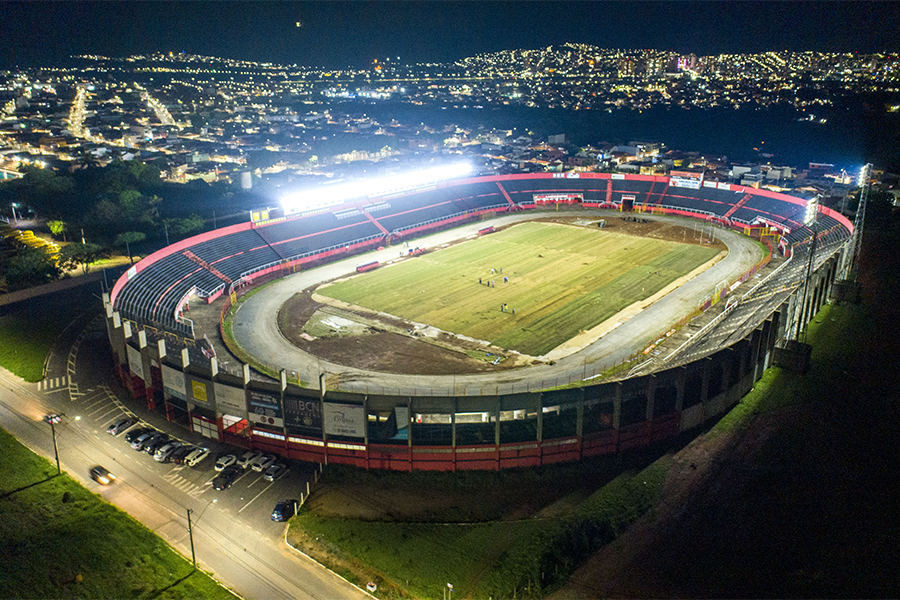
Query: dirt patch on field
(356, 337)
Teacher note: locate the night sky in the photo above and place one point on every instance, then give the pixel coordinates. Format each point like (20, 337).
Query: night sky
(339, 34)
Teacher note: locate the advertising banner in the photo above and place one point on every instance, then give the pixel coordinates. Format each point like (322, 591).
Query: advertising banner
(173, 382)
(200, 391)
(345, 419)
(565, 198)
(264, 409)
(693, 184)
(231, 400)
(303, 415)
(134, 362)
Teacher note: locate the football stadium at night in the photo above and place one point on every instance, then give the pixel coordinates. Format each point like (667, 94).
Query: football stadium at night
(446, 322)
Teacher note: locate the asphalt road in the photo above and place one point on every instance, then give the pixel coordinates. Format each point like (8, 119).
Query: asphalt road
(234, 537)
(256, 330)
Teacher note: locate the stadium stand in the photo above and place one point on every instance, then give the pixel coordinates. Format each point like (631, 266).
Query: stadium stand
(153, 292)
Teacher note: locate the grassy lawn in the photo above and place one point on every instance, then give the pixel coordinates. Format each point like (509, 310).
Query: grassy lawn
(58, 540)
(500, 559)
(562, 279)
(29, 329)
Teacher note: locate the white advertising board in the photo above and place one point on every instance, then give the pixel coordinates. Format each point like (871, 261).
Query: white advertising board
(173, 382)
(231, 400)
(345, 419)
(693, 184)
(135, 362)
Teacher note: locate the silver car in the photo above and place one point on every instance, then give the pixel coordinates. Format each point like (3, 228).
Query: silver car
(163, 454)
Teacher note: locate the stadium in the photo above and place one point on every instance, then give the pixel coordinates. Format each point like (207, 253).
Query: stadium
(700, 332)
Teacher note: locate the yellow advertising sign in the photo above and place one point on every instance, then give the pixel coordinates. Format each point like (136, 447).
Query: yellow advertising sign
(199, 389)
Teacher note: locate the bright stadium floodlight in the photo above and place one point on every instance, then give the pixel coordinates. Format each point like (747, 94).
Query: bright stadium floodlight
(333, 195)
(863, 176)
(812, 207)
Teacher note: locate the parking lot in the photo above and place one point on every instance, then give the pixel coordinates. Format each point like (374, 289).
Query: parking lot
(249, 496)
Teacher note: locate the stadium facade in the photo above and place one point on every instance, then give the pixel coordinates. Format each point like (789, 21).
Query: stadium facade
(160, 361)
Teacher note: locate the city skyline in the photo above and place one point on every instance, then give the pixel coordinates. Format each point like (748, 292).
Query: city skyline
(353, 34)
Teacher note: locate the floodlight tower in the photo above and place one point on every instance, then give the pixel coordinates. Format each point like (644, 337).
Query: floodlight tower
(810, 220)
(860, 216)
(794, 353)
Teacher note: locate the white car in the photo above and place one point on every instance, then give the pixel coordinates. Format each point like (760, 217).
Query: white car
(247, 458)
(263, 462)
(195, 457)
(225, 461)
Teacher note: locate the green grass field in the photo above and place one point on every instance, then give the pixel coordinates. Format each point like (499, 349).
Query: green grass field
(562, 279)
(29, 329)
(498, 559)
(58, 540)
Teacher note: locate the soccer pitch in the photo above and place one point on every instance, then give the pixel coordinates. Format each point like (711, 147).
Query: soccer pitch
(562, 279)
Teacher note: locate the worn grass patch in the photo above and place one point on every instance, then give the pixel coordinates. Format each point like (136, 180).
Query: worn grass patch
(58, 540)
(562, 279)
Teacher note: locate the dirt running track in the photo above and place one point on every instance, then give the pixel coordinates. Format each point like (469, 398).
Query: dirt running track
(256, 328)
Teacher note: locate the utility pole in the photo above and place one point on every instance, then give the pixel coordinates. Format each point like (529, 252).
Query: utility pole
(191, 536)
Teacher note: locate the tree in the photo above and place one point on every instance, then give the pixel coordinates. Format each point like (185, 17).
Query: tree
(80, 255)
(186, 225)
(128, 238)
(29, 267)
(58, 229)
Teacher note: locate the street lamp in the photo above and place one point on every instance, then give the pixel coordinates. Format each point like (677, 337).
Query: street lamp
(191, 535)
(15, 218)
(53, 419)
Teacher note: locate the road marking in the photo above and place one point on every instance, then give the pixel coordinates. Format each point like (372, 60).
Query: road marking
(113, 409)
(53, 383)
(255, 497)
(183, 485)
(104, 407)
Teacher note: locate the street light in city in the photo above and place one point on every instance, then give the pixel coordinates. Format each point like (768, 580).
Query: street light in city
(53, 419)
(191, 535)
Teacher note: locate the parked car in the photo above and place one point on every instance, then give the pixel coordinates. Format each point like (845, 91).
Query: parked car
(274, 472)
(165, 452)
(102, 475)
(224, 461)
(247, 458)
(134, 434)
(228, 476)
(139, 442)
(181, 453)
(284, 510)
(120, 425)
(263, 462)
(194, 458)
(155, 443)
